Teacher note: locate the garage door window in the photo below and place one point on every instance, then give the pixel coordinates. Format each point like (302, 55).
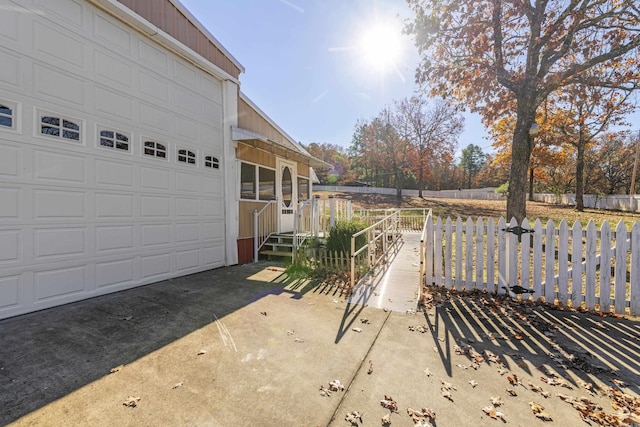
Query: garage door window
(155, 149)
(7, 115)
(113, 139)
(186, 156)
(211, 162)
(59, 127)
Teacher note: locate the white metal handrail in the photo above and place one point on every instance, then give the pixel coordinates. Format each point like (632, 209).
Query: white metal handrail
(264, 224)
(385, 230)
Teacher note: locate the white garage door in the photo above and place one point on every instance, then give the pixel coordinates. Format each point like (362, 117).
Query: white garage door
(110, 149)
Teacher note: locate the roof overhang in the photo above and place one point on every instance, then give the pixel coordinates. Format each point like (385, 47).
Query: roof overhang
(240, 134)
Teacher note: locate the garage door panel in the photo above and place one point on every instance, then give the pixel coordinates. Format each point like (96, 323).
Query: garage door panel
(186, 207)
(50, 204)
(186, 260)
(10, 245)
(187, 182)
(155, 206)
(212, 208)
(9, 160)
(152, 178)
(10, 291)
(187, 232)
(109, 238)
(156, 234)
(213, 256)
(9, 203)
(64, 241)
(59, 167)
(114, 173)
(109, 205)
(155, 265)
(114, 272)
(212, 230)
(213, 185)
(59, 282)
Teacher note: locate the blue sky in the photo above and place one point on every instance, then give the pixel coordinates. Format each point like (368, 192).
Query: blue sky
(307, 67)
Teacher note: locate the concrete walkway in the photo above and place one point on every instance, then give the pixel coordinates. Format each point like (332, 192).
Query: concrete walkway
(395, 287)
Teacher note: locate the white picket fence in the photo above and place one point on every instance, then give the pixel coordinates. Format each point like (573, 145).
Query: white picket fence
(570, 267)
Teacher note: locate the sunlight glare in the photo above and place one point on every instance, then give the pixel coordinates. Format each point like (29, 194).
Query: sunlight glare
(381, 47)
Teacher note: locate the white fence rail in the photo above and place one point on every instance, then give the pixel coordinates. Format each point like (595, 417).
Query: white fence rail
(581, 268)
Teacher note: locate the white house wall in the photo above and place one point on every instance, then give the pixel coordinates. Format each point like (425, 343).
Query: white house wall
(78, 220)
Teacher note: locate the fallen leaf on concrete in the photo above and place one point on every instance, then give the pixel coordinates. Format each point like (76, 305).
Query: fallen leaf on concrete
(539, 412)
(126, 318)
(512, 392)
(473, 383)
(264, 313)
(364, 320)
(290, 332)
(131, 401)
(176, 385)
(201, 352)
(461, 366)
(386, 420)
(619, 383)
(496, 401)
(358, 330)
(336, 385)
(389, 403)
(116, 369)
(427, 371)
(299, 340)
(353, 417)
(493, 413)
(535, 387)
(446, 394)
(447, 385)
(370, 367)
(544, 416)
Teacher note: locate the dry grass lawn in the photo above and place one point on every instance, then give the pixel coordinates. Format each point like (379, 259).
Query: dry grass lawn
(489, 209)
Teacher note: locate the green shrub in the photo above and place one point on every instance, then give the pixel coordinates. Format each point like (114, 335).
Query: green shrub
(340, 236)
(503, 189)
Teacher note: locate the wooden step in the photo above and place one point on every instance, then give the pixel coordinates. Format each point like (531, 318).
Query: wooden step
(270, 253)
(279, 244)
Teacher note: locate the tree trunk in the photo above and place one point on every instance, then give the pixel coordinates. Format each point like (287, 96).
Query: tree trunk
(520, 152)
(420, 179)
(531, 170)
(580, 177)
(399, 184)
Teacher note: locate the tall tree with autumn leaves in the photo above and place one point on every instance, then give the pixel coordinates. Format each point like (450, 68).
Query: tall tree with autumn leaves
(490, 53)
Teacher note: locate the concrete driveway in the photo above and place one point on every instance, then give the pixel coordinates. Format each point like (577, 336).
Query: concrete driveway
(245, 346)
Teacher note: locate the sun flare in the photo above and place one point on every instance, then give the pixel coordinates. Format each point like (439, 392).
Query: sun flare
(380, 46)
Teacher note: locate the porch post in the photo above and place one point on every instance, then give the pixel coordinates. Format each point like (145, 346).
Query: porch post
(255, 236)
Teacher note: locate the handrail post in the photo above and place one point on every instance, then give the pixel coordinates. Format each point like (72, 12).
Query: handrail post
(353, 262)
(295, 234)
(255, 235)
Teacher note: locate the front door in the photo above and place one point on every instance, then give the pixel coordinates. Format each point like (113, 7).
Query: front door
(287, 195)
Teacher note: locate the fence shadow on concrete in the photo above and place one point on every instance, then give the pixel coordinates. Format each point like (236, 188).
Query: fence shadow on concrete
(579, 347)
